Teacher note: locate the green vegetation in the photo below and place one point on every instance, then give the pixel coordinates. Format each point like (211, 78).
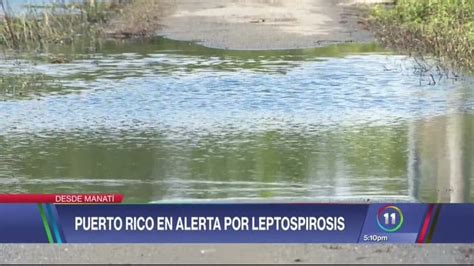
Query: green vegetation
(441, 28)
(38, 26)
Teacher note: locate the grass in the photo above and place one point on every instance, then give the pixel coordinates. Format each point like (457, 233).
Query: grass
(39, 26)
(440, 28)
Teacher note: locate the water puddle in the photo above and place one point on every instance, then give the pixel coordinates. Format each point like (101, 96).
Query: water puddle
(172, 121)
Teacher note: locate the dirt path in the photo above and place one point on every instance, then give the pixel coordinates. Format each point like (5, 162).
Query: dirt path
(263, 24)
(124, 254)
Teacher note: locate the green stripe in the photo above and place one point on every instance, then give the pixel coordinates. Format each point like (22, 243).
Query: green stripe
(45, 224)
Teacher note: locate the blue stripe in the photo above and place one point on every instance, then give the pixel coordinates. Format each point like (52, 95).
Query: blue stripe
(53, 223)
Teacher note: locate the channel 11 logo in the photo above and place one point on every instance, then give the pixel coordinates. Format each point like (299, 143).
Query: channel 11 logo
(390, 218)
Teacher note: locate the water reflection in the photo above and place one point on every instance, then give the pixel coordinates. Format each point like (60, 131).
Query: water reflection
(442, 159)
(351, 165)
(333, 165)
(180, 122)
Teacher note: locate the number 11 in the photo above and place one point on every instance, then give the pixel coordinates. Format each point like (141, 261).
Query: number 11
(391, 215)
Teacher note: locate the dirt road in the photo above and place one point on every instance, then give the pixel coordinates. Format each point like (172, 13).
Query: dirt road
(263, 24)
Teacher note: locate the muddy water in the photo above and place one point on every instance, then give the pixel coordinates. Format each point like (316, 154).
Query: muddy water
(172, 121)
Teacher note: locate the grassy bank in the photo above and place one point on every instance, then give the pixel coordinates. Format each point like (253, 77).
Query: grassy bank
(36, 27)
(441, 28)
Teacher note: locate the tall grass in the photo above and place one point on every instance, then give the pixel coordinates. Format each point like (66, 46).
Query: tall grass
(38, 26)
(442, 28)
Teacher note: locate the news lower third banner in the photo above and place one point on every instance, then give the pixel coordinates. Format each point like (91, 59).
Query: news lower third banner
(237, 223)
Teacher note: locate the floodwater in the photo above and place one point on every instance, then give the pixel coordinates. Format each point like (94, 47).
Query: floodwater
(164, 121)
